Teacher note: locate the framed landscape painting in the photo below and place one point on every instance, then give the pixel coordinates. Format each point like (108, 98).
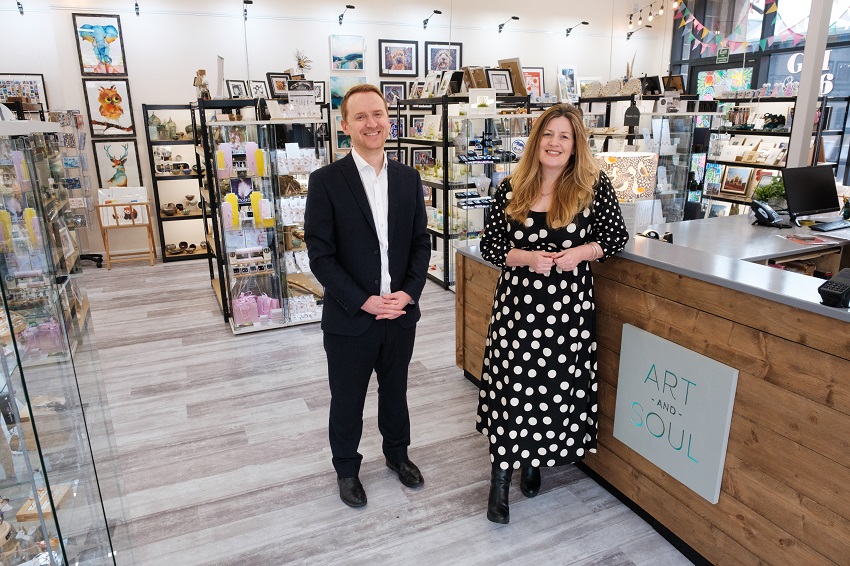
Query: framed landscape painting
(347, 52)
(100, 44)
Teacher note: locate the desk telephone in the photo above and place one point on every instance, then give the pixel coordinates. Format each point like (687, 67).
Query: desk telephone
(766, 216)
(836, 291)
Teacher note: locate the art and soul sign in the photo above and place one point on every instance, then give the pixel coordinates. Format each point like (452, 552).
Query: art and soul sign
(674, 408)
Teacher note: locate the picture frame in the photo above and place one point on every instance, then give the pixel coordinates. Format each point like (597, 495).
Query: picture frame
(443, 56)
(534, 81)
(341, 139)
(716, 209)
(760, 178)
(339, 85)
(278, 84)
(242, 187)
(258, 89)
(397, 128)
(414, 90)
(568, 83)
(651, 85)
(421, 157)
(398, 154)
(109, 107)
(114, 167)
(430, 86)
(736, 180)
(69, 246)
(393, 91)
(445, 80)
(347, 52)
(300, 86)
(500, 80)
(29, 85)
(320, 87)
(398, 58)
(417, 126)
(516, 74)
(236, 89)
(712, 181)
(100, 44)
(674, 82)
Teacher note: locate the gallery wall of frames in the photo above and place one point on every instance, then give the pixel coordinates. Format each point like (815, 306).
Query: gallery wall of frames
(258, 49)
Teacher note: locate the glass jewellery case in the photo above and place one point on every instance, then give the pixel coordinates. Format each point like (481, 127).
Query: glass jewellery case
(51, 506)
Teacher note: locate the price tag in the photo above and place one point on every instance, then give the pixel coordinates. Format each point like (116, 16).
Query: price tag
(77, 202)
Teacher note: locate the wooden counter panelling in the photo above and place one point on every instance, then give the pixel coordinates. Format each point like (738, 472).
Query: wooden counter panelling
(784, 498)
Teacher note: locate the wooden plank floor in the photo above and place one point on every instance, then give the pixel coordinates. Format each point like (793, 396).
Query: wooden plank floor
(221, 441)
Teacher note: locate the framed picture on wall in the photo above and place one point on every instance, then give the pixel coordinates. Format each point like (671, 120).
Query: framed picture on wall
(278, 84)
(399, 155)
(736, 180)
(100, 44)
(28, 86)
(117, 163)
(443, 56)
(339, 86)
(397, 126)
(393, 92)
(347, 52)
(237, 89)
(109, 107)
(341, 139)
(398, 58)
(421, 157)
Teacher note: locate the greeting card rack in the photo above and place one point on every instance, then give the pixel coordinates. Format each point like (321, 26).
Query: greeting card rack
(52, 408)
(176, 162)
(461, 157)
(257, 173)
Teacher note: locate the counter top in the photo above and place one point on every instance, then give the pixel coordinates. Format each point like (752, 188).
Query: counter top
(717, 257)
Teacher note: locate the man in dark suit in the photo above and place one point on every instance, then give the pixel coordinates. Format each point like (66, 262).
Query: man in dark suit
(368, 246)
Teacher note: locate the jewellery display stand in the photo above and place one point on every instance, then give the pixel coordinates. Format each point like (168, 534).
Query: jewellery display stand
(257, 171)
(52, 409)
(177, 167)
(128, 213)
(452, 150)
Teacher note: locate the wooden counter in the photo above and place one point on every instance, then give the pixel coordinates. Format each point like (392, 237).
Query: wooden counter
(784, 498)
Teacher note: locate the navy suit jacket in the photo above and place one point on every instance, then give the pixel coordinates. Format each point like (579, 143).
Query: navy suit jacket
(342, 243)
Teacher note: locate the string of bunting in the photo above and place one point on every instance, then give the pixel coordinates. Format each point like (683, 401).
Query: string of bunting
(699, 32)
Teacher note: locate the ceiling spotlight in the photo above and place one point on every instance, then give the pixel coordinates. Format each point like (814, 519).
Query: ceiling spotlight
(631, 33)
(137, 8)
(347, 8)
(21, 8)
(425, 21)
(502, 25)
(245, 8)
(569, 30)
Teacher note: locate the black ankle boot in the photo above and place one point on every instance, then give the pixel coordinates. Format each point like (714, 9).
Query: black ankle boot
(497, 504)
(529, 481)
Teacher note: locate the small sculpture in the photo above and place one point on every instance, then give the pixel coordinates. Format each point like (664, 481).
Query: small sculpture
(201, 85)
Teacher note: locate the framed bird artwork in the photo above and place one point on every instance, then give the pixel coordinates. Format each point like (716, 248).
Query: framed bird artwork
(109, 107)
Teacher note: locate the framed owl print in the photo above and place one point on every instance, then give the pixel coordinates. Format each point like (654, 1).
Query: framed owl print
(109, 107)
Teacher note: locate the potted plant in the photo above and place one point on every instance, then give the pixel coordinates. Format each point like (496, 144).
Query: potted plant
(773, 193)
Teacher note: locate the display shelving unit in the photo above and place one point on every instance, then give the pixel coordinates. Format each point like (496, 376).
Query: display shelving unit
(456, 207)
(257, 172)
(174, 179)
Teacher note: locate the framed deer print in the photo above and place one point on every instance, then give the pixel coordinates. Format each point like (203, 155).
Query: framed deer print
(117, 163)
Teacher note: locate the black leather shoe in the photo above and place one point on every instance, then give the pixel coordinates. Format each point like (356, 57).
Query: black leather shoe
(408, 473)
(351, 491)
(529, 481)
(497, 504)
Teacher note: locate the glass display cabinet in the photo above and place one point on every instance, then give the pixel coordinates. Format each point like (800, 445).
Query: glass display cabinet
(258, 173)
(462, 157)
(52, 499)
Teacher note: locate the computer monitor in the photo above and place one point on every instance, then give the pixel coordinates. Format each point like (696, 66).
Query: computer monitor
(810, 190)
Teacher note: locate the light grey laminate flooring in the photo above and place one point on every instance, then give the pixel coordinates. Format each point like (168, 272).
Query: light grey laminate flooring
(221, 442)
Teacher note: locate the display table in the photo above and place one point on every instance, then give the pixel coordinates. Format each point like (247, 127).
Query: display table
(783, 498)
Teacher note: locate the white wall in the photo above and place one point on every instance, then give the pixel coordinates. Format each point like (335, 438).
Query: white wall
(171, 39)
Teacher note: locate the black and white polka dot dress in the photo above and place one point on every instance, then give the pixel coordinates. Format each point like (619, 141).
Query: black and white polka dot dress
(537, 403)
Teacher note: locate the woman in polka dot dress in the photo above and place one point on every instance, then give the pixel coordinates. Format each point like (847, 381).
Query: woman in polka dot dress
(549, 220)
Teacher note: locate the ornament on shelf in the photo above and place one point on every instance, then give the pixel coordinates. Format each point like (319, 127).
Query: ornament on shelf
(303, 62)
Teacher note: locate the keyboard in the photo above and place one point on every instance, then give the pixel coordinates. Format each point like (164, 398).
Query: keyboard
(830, 226)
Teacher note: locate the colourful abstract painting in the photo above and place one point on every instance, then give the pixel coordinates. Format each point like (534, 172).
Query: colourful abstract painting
(723, 81)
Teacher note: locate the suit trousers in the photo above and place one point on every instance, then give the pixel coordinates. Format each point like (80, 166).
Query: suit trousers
(386, 349)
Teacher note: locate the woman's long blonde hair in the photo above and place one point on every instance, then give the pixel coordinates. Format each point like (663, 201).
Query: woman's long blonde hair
(574, 191)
